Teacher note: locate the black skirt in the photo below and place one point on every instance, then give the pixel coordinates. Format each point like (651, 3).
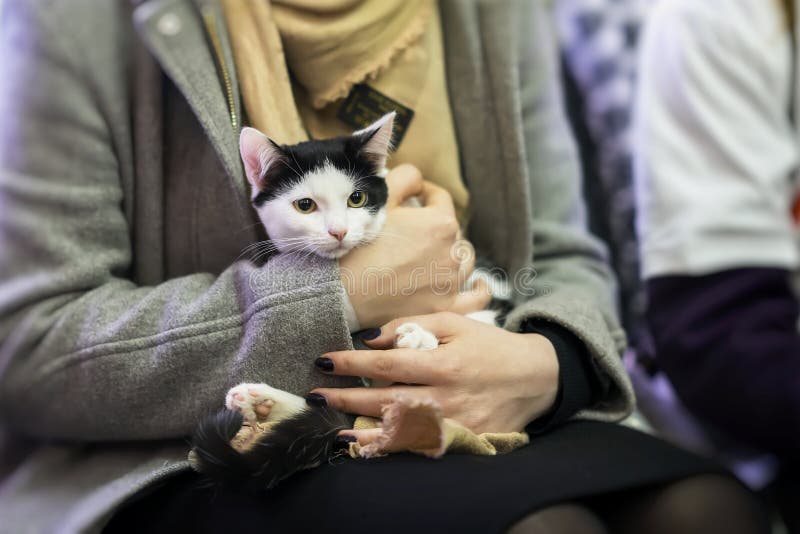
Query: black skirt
(408, 493)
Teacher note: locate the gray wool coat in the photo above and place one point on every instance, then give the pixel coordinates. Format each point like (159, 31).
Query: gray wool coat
(125, 311)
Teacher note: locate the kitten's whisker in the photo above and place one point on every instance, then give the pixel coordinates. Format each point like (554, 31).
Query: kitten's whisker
(296, 171)
(253, 247)
(294, 158)
(300, 238)
(252, 250)
(256, 244)
(306, 247)
(350, 170)
(247, 227)
(290, 245)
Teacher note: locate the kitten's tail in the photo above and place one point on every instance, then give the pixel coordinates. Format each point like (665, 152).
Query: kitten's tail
(302, 441)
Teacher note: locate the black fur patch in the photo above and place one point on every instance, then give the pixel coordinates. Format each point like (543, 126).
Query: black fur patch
(305, 440)
(342, 152)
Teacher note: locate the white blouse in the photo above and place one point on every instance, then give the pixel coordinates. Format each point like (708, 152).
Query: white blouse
(715, 150)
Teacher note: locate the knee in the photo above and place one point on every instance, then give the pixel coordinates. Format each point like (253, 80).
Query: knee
(705, 504)
(565, 518)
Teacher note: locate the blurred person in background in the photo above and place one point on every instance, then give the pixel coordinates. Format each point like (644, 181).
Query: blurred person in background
(126, 310)
(599, 42)
(716, 163)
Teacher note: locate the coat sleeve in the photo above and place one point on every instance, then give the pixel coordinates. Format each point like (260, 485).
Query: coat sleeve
(570, 283)
(86, 354)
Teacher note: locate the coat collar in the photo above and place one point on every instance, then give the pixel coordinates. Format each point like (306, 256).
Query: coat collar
(174, 32)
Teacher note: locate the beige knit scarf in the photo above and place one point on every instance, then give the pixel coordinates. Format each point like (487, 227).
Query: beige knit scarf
(328, 46)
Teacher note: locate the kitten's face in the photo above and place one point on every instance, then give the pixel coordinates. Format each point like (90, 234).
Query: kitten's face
(324, 197)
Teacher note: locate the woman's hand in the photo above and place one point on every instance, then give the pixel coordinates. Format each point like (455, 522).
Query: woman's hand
(411, 268)
(484, 377)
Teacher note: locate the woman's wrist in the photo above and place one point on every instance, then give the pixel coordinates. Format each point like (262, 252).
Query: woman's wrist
(542, 377)
(578, 384)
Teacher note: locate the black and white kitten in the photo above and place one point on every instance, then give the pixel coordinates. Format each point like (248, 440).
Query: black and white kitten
(324, 197)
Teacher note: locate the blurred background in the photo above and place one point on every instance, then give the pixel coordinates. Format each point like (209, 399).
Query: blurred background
(684, 115)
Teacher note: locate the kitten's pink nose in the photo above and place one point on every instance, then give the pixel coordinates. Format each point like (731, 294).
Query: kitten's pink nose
(338, 234)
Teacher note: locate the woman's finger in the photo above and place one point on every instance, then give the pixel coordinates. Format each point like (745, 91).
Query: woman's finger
(443, 325)
(396, 365)
(436, 197)
(464, 253)
(369, 401)
(475, 299)
(404, 182)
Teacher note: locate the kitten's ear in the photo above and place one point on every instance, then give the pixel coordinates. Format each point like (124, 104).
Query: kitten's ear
(376, 139)
(259, 154)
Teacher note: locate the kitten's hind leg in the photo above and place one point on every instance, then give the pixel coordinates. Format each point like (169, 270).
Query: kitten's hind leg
(261, 403)
(413, 336)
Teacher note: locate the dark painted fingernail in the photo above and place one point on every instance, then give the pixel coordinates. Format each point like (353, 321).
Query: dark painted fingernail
(370, 333)
(324, 364)
(315, 399)
(343, 442)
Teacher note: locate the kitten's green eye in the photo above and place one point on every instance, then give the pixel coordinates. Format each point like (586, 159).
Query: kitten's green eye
(357, 199)
(305, 205)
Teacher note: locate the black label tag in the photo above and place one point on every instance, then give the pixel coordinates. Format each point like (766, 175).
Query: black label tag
(365, 105)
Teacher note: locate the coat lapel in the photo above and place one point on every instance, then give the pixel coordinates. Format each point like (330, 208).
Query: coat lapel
(485, 98)
(174, 33)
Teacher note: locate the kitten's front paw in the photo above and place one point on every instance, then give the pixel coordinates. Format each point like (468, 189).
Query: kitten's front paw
(413, 336)
(253, 401)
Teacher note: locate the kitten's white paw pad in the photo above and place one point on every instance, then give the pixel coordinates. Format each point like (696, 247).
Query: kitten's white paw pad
(253, 401)
(413, 336)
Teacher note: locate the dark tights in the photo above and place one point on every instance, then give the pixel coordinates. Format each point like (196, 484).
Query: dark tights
(702, 504)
